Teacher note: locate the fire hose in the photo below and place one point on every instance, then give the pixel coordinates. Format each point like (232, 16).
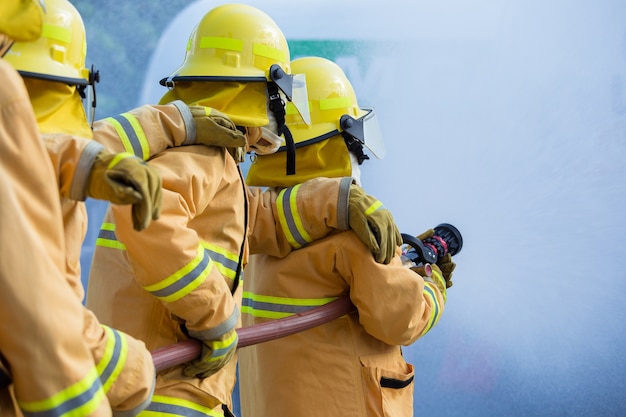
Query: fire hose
(187, 350)
(418, 255)
(190, 349)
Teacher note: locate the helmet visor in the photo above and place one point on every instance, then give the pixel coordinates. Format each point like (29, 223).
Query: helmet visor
(366, 130)
(293, 86)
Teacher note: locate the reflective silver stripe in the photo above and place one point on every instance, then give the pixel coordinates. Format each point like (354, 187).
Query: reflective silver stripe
(226, 266)
(278, 308)
(78, 189)
(343, 204)
(217, 331)
(289, 219)
(132, 136)
(77, 401)
(190, 124)
(115, 356)
(184, 280)
(169, 406)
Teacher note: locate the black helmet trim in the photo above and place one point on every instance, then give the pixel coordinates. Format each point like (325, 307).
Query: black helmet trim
(47, 77)
(170, 81)
(312, 141)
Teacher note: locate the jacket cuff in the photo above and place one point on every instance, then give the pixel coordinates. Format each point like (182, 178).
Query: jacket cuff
(190, 124)
(219, 330)
(343, 206)
(78, 189)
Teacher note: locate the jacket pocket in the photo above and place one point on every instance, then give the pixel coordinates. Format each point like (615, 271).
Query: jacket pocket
(388, 386)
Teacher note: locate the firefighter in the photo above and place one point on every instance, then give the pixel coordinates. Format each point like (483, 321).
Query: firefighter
(53, 70)
(182, 276)
(352, 366)
(46, 368)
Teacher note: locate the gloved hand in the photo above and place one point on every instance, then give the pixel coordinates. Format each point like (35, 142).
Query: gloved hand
(445, 264)
(125, 179)
(216, 129)
(373, 224)
(215, 355)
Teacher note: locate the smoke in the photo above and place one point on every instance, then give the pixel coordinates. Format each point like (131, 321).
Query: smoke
(508, 120)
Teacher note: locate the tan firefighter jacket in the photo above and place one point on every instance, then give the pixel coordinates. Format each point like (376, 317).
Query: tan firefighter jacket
(41, 331)
(177, 277)
(352, 366)
(128, 388)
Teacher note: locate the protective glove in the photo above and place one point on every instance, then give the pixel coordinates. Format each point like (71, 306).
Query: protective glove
(125, 179)
(445, 264)
(373, 224)
(215, 355)
(216, 129)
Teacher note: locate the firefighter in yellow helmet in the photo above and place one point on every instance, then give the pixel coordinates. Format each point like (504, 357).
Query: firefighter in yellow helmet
(53, 69)
(45, 366)
(352, 366)
(182, 276)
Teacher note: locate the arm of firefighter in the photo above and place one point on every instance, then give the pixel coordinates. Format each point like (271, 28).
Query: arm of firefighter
(147, 130)
(168, 259)
(293, 217)
(72, 159)
(395, 304)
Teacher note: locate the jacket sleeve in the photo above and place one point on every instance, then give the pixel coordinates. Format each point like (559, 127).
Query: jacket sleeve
(290, 218)
(72, 159)
(147, 130)
(169, 259)
(395, 304)
(41, 327)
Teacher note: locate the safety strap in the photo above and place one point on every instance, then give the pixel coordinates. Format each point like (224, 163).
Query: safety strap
(277, 106)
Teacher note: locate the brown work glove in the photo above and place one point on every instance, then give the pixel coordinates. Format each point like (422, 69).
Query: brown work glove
(445, 264)
(214, 128)
(373, 224)
(215, 355)
(125, 179)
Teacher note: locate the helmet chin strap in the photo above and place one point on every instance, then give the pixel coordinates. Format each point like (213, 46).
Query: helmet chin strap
(277, 107)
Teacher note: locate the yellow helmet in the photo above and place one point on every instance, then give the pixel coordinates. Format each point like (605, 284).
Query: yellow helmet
(338, 127)
(240, 43)
(59, 54)
(21, 20)
(235, 42)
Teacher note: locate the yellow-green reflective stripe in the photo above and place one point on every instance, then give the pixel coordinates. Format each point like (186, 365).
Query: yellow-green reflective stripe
(131, 134)
(79, 399)
(183, 281)
(168, 406)
(268, 52)
(221, 43)
(107, 239)
(289, 219)
(271, 307)
(121, 132)
(113, 360)
(373, 207)
(222, 347)
(118, 157)
(335, 103)
(225, 261)
(283, 221)
(56, 33)
(442, 282)
(113, 244)
(430, 293)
